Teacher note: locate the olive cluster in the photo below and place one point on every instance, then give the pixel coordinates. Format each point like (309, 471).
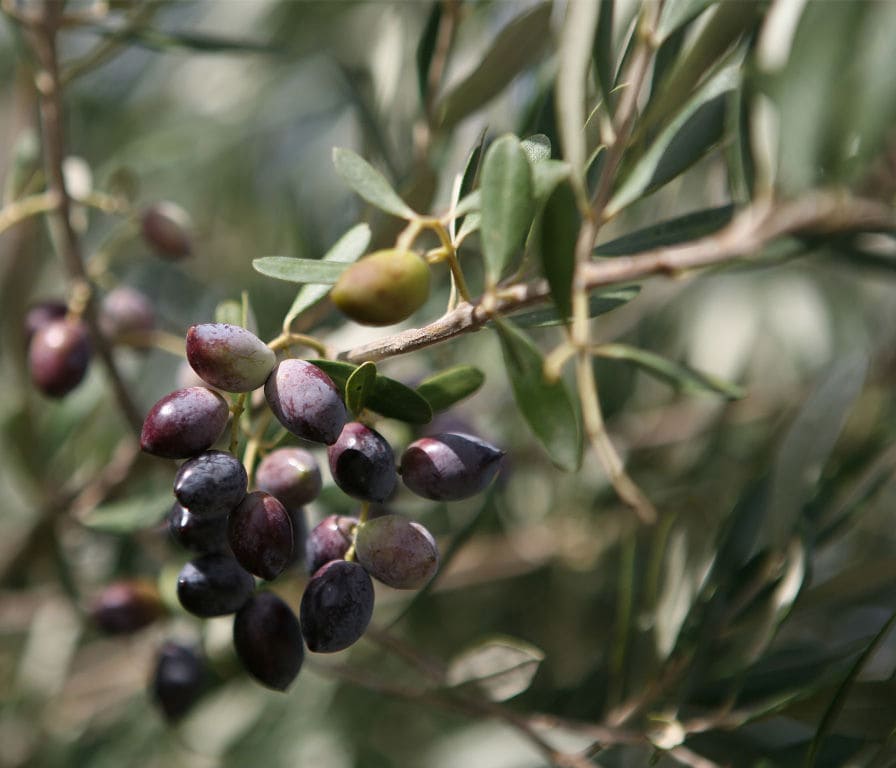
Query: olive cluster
(238, 533)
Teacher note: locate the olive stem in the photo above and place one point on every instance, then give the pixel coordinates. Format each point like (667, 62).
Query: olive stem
(237, 410)
(23, 208)
(167, 342)
(253, 444)
(286, 340)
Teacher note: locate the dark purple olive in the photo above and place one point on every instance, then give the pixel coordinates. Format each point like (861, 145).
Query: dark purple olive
(126, 310)
(299, 533)
(214, 585)
(260, 535)
(306, 401)
(184, 423)
(399, 552)
(211, 484)
(229, 357)
(58, 356)
(336, 607)
(362, 463)
(329, 540)
(198, 533)
(166, 229)
(268, 640)
(126, 606)
(42, 313)
(178, 680)
(449, 466)
(290, 474)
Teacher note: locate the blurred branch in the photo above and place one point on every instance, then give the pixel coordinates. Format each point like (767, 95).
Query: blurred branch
(758, 225)
(65, 239)
(19, 210)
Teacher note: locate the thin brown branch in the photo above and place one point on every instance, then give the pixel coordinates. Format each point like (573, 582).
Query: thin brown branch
(751, 230)
(65, 239)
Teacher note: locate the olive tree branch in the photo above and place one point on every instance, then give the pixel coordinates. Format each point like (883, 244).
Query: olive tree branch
(65, 239)
(756, 226)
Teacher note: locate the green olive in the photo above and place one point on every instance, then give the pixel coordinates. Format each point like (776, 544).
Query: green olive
(383, 288)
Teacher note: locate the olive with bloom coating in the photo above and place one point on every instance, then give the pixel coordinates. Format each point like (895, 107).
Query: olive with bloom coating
(290, 474)
(399, 552)
(229, 357)
(268, 640)
(329, 540)
(42, 313)
(214, 585)
(449, 466)
(184, 423)
(306, 401)
(336, 607)
(126, 310)
(362, 463)
(178, 679)
(260, 534)
(59, 355)
(211, 484)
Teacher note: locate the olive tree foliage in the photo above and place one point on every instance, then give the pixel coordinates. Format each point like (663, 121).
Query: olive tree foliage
(660, 238)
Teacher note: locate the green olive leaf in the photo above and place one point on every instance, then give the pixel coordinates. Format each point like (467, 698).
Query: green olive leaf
(507, 203)
(450, 386)
(503, 667)
(299, 270)
(359, 386)
(670, 232)
(547, 406)
(559, 230)
(537, 148)
(388, 397)
(599, 303)
(128, 515)
(369, 183)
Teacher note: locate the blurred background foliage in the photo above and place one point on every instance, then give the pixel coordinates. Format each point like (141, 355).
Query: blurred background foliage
(749, 613)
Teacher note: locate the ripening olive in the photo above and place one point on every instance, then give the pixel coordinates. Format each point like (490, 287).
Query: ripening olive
(268, 640)
(329, 540)
(305, 401)
(42, 313)
(383, 288)
(336, 607)
(198, 533)
(290, 474)
(214, 585)
(211, 484)
(229, 357)
(166, 229)
(362, 463)
(399, 552)
(178, 679)
(126, 606)
(184, 423)
(59, 355)
(260, 534)
(449, 466)
(126, 310)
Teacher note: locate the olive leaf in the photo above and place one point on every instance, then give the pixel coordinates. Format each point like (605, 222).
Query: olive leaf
(369, 183)
(299, 270)
(359, 386)
(444, 389)
(559, 231)
(503, 667)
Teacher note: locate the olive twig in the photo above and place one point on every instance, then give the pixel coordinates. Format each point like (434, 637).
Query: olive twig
(287, 340)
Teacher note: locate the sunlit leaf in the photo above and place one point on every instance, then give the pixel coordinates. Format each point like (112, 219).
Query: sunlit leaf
(677, 13)
(507, 204)
(299, 270)
(546, 406)
(546, 175)
(537, 148)
(515, 47)
(450, 386)
(503, 667)
(346, 250)
(369, 183)
(359, 386)
(678, 375)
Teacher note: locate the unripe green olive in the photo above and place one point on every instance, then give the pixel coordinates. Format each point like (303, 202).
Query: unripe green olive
(383, 288)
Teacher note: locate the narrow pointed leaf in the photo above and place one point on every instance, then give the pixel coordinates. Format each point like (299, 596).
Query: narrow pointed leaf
(546, 406)
(369, 183)
(425, 48)
(598, 304)
(346, 250)
(448, 387)
(669, 232)
(388, 397)
(359, 386)
(603, 53)
(503, 667)
(131, 514)
(299, 270)
(546, 175)
(559, 231)
(516, 47)
(677, 13)
(507, 203)
(680, 376)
